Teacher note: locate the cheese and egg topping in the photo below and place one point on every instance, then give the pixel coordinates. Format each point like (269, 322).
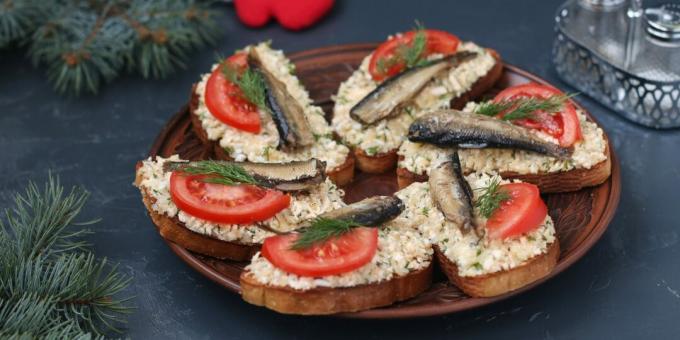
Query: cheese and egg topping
(388, 134)
(418, 157)
(262, 147)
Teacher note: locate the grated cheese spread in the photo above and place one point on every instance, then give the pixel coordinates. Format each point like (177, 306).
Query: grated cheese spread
(472, 255)
(388, 134)
(262, 147)
(303, 207)
(418, 157)
(401, 249)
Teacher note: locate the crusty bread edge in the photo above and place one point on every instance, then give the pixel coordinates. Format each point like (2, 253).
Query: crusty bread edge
(498, 283)
(325, 300)
(554, 182)
(386, 161)
(174, 230)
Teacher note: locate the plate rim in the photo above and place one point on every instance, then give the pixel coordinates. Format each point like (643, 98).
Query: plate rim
(599, 227)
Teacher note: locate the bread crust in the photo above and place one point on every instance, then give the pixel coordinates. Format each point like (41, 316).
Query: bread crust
(172, 229)
(344, 173)
(375, 164)
(482, 84)
(325, 300)
(384, 162)
(505, 281)
(554, 182)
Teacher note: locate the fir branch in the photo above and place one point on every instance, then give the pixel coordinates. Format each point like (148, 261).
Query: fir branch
(491, 198)
(85, 44)
(18, 19)
(522, 108)
(220, 172)
(50, 287)
(167, 31)
(321, 230)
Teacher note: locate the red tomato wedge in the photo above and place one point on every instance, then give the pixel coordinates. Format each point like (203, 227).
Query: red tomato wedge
(335, 256)
(232, 204)
(522, 213)
(437, 42)
(563, 125)
(226, 101)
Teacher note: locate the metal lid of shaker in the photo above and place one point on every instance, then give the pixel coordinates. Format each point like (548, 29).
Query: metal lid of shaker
(663, 22)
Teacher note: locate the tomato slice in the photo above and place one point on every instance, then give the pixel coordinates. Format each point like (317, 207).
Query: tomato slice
(522, 213)
(232, 204)
(563, 125)
(335, 256)
(226, 101)
(437, 42)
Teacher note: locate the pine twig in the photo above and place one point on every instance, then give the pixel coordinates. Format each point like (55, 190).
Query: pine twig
(85, 44)
(50, 286)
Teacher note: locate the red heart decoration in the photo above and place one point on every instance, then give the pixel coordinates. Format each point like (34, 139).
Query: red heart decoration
(291, 14)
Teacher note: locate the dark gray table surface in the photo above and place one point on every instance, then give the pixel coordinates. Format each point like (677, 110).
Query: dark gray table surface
(627, 286)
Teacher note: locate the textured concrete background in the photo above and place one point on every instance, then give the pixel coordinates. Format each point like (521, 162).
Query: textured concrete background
(627, 286)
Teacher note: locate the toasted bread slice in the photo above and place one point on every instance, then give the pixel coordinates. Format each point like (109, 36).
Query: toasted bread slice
(172, 229)
(505, 281)
(375, 164)
(384, 162)
(326, 300)
(554, 182)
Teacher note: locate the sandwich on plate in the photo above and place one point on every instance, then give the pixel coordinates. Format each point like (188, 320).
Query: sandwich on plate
(531, 132)
(252, 107)
(226, 209)
(408, 74)
(493, 236)
(357, 257)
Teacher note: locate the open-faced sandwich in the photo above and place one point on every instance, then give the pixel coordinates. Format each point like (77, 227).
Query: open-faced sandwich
(252, 107)
(530, 132)
(350, 259)
(408, 74)
(226, 209)
(493, 236)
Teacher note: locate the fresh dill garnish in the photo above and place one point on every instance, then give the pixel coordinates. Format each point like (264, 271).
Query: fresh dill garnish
(491, 198)
(220, 172)
(410, 55)
(523, 107)
(321, 230)
(414, 53)
(249, 81)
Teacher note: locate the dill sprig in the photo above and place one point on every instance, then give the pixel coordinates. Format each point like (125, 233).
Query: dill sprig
(491, 198)
(321, 230)
(220, 172)
(410, 55)
(414, 53)
(251, 83)
(523, 107)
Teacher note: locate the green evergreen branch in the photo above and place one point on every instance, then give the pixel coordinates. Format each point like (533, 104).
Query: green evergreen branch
(18, 19)
(85, 44)
(50, 286)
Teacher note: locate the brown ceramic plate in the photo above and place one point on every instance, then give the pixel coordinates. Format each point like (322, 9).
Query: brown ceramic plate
(580, 217)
